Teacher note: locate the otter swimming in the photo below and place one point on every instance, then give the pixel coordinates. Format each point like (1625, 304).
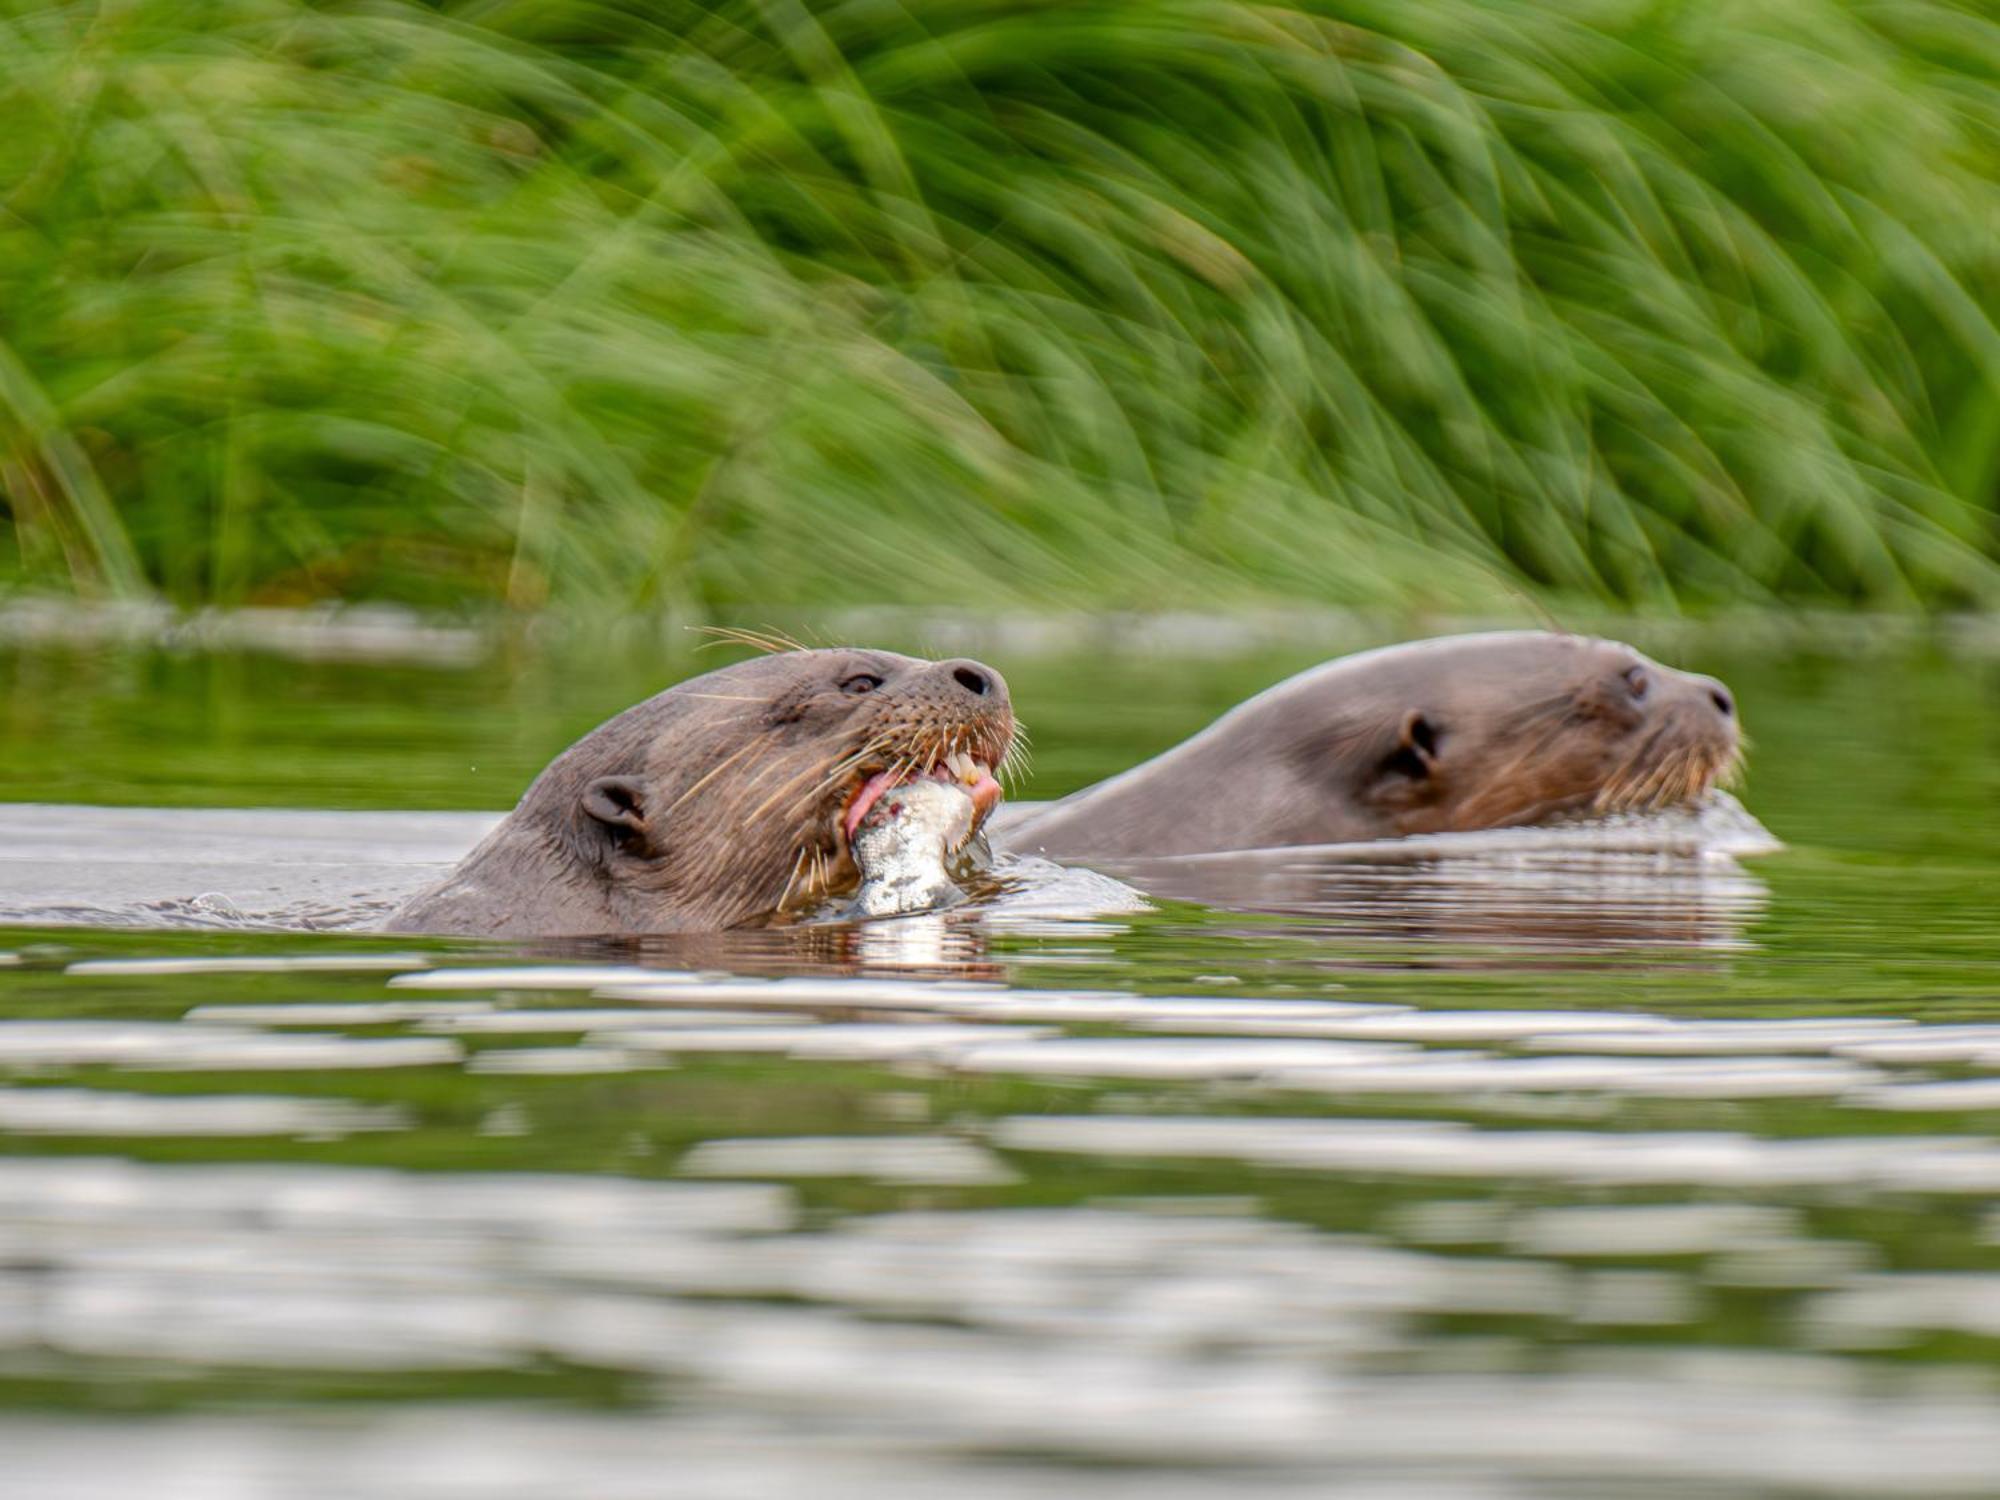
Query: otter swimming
(1448, 735)
(735, 798)
(727, 800)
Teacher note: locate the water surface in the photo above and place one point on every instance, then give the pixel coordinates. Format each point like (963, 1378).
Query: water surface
(1509, 1171)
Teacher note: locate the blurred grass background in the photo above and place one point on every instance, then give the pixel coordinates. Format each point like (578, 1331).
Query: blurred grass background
(1107, 302)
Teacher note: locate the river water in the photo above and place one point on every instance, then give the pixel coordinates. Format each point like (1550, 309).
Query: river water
(1632, 1162)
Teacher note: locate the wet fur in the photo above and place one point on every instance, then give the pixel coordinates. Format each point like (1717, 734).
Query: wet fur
(741, 775)
(1438, 736)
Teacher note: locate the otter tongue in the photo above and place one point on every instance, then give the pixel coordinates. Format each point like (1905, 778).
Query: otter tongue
(985, 794)
(871, 789)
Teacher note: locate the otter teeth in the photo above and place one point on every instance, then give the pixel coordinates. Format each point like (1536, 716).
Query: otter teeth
(965, 769)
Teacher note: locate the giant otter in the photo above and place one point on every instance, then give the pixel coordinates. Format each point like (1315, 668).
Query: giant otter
(1464, 732)
(725, 801)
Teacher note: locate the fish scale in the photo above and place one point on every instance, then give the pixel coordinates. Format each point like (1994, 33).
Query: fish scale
(903, 845)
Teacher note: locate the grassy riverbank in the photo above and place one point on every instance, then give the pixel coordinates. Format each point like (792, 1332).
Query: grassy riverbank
(1012, 304)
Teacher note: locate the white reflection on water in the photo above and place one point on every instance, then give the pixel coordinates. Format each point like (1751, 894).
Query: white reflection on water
(1161, 1057)
(1948, 1095)
(1654, 1229)
(1659, 1078)
(1476, 1058)
(871, 993)
(1973, 1043)
(164, 1046)
(1336, 1048)
(456, 1453)
(1162, 1011)
(1723, 1038)
(1458, 1347)
(555, 1061)
(1444, 1148)
(918, 1160)
(915, 1347)
(296, 963)
(220, 867)
(338, 1012)
(93, 1112)
(1882, 1311)
(1388, 1022)
(1670, 878)
(553, 1019)
(1665, 878)
(858, 1040)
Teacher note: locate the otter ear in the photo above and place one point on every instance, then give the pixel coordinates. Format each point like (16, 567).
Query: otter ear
(1415, 755)
(618, 802)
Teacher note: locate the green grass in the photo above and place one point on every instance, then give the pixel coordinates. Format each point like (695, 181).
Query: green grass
(1124, 302)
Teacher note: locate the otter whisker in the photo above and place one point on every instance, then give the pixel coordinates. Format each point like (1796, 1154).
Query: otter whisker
(811, 771)
(776, 764)
(1658, 788)
(908, 766)
(1018, 760)
(1657, 775)
(772, 642)
(854, 760)
(798, 863)
(717, 770)
(828, 772)
(845, 766)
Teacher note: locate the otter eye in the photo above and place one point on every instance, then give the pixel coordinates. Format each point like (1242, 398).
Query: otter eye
(1637, 680)
(859, 683)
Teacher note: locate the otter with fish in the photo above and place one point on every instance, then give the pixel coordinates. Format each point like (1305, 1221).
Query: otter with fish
(905, 846)
(728, 800)
(768, 790)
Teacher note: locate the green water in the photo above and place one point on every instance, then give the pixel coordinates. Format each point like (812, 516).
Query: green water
(1879, 768)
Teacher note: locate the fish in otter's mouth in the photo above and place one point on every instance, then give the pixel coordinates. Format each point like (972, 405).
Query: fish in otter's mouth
(958, 769)
(913, 843)
(873, 796)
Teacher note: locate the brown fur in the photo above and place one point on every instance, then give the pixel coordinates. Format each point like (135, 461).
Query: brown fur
(717, 803)
(1465, 732)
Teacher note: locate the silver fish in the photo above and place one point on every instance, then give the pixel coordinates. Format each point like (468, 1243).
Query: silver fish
(905, 845)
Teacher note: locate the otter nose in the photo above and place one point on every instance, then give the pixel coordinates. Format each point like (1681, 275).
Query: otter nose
(977, 679)
(1719, 696)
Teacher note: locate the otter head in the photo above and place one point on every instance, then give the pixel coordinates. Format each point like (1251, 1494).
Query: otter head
(1521, 727)
(730, 799)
